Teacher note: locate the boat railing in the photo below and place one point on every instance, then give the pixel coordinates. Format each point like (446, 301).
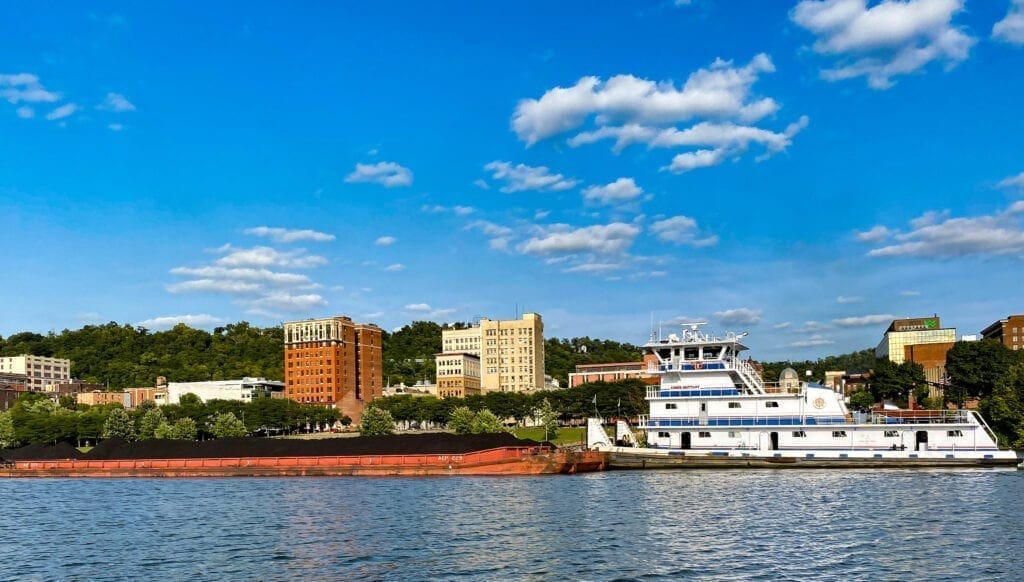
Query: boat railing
(920, 417)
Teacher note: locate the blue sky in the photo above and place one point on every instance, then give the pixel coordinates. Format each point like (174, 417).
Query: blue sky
(803, 171)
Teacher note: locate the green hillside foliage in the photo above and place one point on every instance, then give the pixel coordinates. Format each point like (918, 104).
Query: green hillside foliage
(122, 356)
(859, 361)
(561, 356)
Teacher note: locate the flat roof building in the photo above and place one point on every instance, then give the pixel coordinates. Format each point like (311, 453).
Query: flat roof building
(39, 371)
(458, 374)
(244, 390)
(1009, 331)
(333, 362)
(912, 332)
(511, 352)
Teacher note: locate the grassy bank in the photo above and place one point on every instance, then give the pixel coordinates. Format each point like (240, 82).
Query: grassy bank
(565, 436)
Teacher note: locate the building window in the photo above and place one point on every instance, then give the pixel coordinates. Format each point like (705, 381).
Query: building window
(839, 434)
(799, 434)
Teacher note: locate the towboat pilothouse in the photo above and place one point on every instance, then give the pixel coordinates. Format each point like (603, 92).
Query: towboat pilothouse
(712, 408)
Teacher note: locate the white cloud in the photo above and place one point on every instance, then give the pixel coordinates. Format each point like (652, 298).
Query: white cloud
(418, 307)
(500, 236)
(602, 239)
(385, 241)
(116, 102)
(482, 184)
(935, 235)
(26, 112)
(426, 311)
(813, 341)
(876, 234)
(255, 275)
(169, 321)
(115, 127)
(285, 301)
(910, 293)
(783, 325)
(288, 235)
(889, 39)
(621, 190)
(864, 320)
(61, 112)
(1012, 182)
(25, 88)
(682, 230)
(456, 210)
(521, 177)
(395, 267)
(810, 326)
(717, 101)
(387, 174)
(842, 300)
(594, 268)
(269, 257)
(1011, 28)
(229, 286)
(739, 316)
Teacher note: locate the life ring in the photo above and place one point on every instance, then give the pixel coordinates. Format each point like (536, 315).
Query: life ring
(698, 365)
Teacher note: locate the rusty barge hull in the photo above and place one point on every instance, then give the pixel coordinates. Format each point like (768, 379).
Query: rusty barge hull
(500, 461)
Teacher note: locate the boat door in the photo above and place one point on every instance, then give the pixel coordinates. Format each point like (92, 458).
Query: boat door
(922, 439)
(775, 441)
(703, 419)
(684, 441)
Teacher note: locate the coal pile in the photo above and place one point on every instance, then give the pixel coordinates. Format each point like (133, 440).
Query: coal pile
(41, 452)
(418, 444)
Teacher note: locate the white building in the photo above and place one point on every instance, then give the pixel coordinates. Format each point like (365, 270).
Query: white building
(511, 352)
(40, 371)
(245, 390)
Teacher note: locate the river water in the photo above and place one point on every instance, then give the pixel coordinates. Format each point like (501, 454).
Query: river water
(770, 525)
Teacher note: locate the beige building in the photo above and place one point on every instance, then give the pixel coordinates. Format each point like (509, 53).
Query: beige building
(912, 332)
(39, 371)
(511, 352)
(458, 374)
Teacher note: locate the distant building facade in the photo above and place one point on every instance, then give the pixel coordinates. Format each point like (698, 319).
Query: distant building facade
(912, 332)
(99, 398)
(1009, 331)
(244, 390)
(39, 371)
(333, 362)
(458, 374)
(611, 372)
(511, 352)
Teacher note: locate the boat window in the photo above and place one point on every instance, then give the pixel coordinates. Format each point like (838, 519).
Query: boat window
(711, 353)
(839, 434)
(771, 404)
(671, 406)
(704, 435)
(799, 434)
(690, 353)
(892, 433)
(734, 405)
(954, 433)
(703, 406)
(733, 434)
(662, 435)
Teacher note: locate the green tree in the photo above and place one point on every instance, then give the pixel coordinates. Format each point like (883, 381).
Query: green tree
(461, 420)
(890, 381)
(974, 368)
(148, 423)
(376, 421)
(119, 425)
(183, 429)
(485, 422)
(548, 419)
(862, 400)
(227, 425)
(1004, 409)
(7, 437)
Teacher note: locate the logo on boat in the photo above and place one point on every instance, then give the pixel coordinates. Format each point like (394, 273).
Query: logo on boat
(819, 403)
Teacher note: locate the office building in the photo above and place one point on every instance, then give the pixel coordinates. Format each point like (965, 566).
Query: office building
(1009, 331)
(39, 371)
(511, 352)
(458, 374)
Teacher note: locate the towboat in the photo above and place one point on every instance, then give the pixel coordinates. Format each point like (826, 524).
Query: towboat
(712, 408)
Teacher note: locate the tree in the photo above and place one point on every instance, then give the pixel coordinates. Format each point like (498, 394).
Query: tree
(7, 439)
(227, 425)
(890, 381)
(1004, 409)
(461, 420)
(183, 429)
(376, 422)
(119, 425)
(974, 368)
(485, 422)
(862, 400)
(148, 423)
(548, 419)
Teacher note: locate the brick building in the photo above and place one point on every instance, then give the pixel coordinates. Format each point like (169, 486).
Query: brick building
(1009, 331)
(333, 362)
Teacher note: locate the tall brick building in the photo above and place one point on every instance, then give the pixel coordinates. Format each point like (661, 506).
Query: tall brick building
(333, 362)
(1009, 330)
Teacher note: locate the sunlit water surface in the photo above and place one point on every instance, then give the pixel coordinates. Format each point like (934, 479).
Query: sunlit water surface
(771, 525)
